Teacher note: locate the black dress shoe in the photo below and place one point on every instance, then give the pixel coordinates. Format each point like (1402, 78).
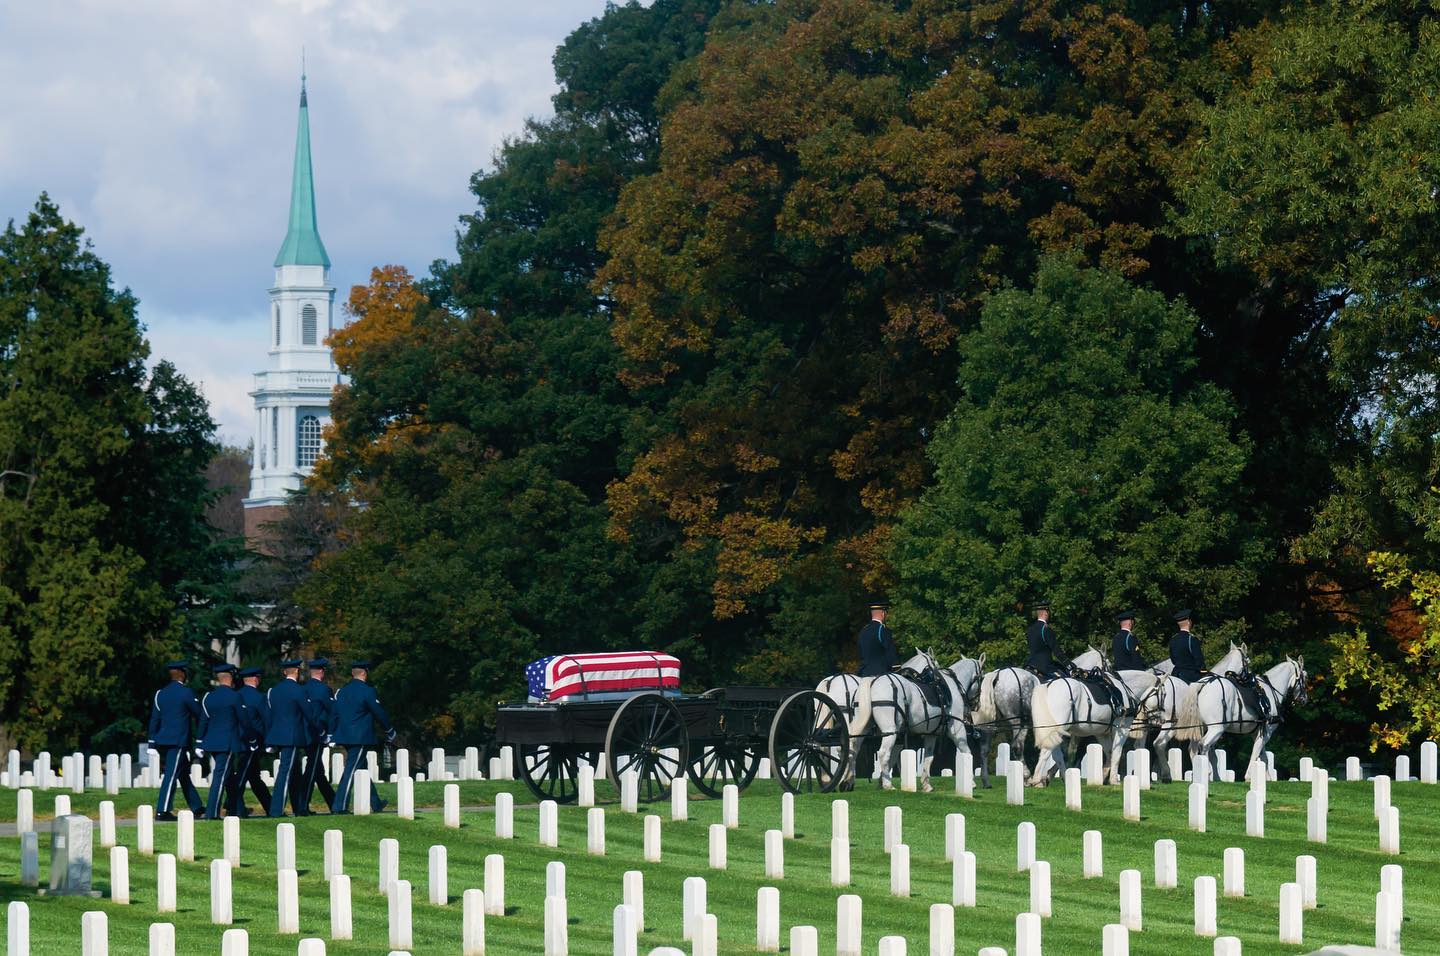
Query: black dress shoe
(165, 818)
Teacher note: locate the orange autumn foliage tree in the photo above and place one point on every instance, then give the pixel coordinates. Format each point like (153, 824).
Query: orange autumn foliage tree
(841, 184)
(383, 327)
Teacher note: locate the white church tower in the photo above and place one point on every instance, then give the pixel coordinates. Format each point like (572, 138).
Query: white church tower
(292, 395)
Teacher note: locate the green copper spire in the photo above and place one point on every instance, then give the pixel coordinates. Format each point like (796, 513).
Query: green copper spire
(302, 245)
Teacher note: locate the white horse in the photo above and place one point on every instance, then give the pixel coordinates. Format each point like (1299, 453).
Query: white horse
(1063, 709)
(1220, 708)
(1162, 699)
(1003, 712)
(896, 703)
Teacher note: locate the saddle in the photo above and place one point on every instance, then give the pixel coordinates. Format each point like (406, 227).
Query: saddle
(1101, 688)
(932, 688)
(1248, 686)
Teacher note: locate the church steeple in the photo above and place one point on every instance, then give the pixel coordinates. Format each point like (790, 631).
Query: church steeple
(302, 245)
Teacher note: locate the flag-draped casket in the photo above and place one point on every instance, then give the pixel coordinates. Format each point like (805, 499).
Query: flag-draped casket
(611, 675)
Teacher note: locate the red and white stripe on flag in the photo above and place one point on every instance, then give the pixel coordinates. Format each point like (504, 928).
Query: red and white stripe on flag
(610, 672)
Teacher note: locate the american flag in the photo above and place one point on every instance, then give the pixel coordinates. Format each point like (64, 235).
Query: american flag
(563, 675)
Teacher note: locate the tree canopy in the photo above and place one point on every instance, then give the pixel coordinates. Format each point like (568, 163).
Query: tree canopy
(1084, 462)
(107, 563)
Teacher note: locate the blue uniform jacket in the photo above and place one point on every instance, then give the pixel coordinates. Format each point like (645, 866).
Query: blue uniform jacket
(290, 720)
(223, 722)
(259, 710)
(357, 708)
(322, 707)
(877, 649)
(175, 706)
(1186, 655)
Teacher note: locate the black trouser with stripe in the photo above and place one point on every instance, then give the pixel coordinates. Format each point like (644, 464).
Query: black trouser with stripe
(313, 775)
(247, 772)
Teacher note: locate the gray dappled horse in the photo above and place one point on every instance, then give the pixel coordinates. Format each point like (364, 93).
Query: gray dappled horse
(1219, 708)
(1166, 696)
(1003, 712)
(1063, 709)
(896, 703)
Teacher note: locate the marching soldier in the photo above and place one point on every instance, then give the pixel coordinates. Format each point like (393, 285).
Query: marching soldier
(357, 711)
(1044, 644)
(288, 730)
(248, 771)
(1185, 651)
(322, 704)
(877, 643)
(1125, 648)
(174, 708)
(223, 720)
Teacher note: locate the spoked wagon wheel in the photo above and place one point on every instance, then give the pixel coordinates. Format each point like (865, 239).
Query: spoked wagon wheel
(809, 743)
(552, 771)
(647, 736)
(725, 759)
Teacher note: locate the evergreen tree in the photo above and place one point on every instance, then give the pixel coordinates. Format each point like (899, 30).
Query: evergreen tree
(1085, 462)
(104, 547)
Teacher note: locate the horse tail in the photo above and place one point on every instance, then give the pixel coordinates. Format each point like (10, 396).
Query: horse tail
(1048, 734)
(985, 710)
(860, 720)
(1187, 715)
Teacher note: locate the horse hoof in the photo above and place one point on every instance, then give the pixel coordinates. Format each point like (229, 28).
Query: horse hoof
(928, 788)
(886, 785)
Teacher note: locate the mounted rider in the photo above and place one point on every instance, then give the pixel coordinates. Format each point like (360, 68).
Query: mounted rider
(1185, 651)
(1044, 645)
(1125, 647)
(877, 642)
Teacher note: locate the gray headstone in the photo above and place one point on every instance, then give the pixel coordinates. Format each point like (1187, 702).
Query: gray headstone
(1349, 951)
(71, 846)
(30, 858)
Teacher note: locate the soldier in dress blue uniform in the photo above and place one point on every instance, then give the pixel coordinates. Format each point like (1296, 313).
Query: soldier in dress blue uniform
(1044, 645)
(877, 642)
(1185, 652)
(248, 770)
(322, 705)
(174, 708)
(1125, 648)
(357, 711)
(288, 730)
(223, 721)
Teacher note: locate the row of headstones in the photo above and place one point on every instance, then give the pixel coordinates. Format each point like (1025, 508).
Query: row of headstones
(115, 772)
(95, 937)
(1389, 902)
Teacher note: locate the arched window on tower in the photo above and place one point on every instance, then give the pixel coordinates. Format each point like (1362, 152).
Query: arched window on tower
(307, 325)
(275, 434)
(277, 326)
(308, 441)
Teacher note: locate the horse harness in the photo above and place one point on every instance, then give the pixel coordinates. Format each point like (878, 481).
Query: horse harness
(1249, 681)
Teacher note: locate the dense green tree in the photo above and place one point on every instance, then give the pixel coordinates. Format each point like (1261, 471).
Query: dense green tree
(1317, 173)
(104, 547)
(1084, 461)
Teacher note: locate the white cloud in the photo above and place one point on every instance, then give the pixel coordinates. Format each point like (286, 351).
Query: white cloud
(166, 129)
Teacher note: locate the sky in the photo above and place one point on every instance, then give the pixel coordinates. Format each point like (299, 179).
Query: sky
(166, 129)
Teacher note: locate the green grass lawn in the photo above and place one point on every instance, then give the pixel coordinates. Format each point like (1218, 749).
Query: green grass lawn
(1349, 868)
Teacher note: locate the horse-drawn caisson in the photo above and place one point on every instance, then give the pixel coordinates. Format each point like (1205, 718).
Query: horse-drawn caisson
(628, 706)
